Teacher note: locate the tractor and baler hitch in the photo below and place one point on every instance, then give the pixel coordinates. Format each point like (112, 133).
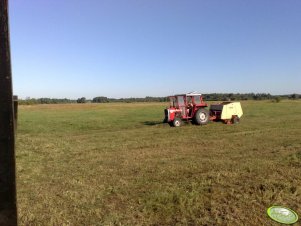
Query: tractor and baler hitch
(191, 107)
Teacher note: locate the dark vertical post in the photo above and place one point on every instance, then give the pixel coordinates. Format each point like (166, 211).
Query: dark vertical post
(8, 208)
(15, 99)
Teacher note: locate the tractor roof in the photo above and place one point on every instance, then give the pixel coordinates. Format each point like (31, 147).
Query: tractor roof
(190, 94)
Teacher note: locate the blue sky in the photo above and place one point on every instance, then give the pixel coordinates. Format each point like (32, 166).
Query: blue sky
(137, 48)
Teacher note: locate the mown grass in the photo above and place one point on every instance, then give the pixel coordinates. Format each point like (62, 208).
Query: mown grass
(117, 164)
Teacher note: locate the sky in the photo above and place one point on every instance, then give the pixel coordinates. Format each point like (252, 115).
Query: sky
(138, 48)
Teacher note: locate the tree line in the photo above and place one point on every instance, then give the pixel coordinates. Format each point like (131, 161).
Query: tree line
(207, 97)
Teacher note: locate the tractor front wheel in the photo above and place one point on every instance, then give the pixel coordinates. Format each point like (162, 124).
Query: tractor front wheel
(177, 122)
(201, 117)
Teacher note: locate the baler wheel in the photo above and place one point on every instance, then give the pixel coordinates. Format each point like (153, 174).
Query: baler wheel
(235, 119)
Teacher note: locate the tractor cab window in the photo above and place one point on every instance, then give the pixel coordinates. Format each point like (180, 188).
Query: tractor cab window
(172, 101)
(188, 100)
(181, 101)
(197, 100)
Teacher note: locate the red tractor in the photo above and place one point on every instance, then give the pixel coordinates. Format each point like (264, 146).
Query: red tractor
(187, 107)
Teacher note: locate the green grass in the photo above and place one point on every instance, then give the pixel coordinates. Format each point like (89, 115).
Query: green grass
(116, 164)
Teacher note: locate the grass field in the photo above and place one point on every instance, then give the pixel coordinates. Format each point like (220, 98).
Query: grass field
(117, 164)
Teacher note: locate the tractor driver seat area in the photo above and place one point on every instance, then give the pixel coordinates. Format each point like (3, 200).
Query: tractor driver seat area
(183, 111)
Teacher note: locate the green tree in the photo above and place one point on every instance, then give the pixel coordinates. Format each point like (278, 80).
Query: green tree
(100, 99)
(81, 100)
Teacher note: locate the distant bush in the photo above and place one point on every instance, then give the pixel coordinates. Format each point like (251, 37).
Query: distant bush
(295, 96)
(100, 100)
(81, 100)
(276, 99)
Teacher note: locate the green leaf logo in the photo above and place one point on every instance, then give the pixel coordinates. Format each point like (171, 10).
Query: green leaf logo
(282, 215)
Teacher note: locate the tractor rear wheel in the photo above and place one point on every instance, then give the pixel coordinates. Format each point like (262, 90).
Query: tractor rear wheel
(201, 116)
(177, 122)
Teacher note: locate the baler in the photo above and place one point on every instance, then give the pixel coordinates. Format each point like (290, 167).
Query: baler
(228, 112)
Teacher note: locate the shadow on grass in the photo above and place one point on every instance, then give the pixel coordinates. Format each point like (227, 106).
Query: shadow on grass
(152, 123)
(155, 123)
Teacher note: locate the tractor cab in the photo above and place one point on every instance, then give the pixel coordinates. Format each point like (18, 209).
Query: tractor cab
(187, 107)
(186, 100)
